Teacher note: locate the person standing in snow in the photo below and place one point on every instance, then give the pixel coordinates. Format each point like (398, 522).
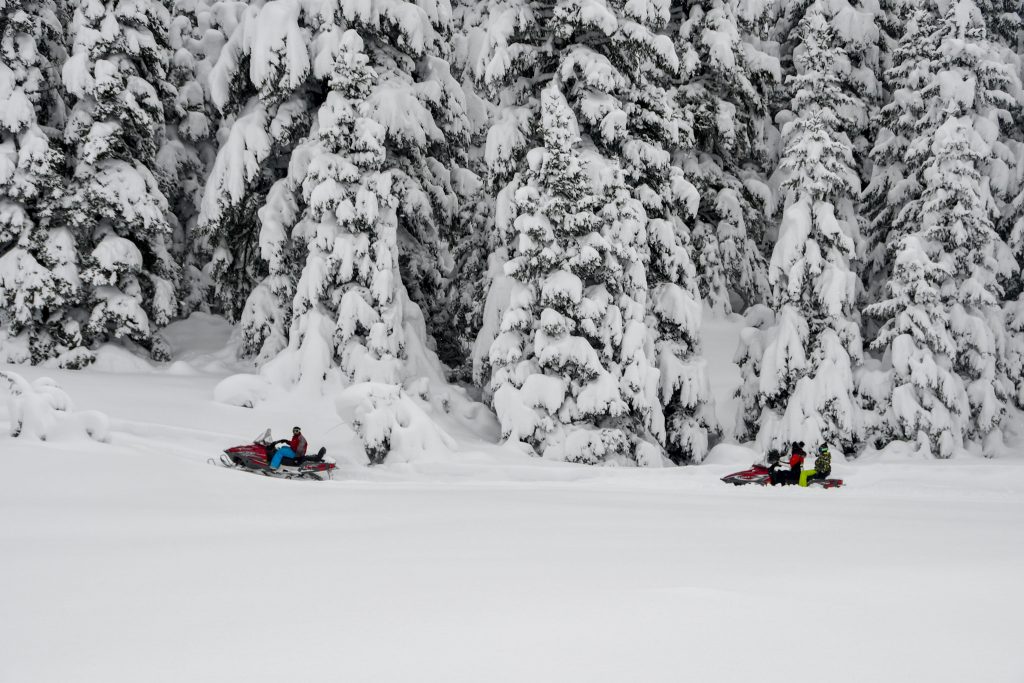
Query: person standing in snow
(822, 466)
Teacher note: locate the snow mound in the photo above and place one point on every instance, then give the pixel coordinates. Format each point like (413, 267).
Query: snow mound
(121, 358)
(181, 368)
(732, 454)
(898, 452)
(42, 410)
(245, 390)
(392, 422)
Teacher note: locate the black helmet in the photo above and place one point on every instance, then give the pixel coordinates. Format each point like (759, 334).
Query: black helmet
(823, 449)
(296, 430)
(798, 447)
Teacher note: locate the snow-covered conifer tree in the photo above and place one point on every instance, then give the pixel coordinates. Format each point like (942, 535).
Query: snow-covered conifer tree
(260, 85)
(617, 65)
(942, 323)
(117, 73)
(944, 327)
(886, 188)
(454, 316)
(572, 371)
(1013, 310)
(471, 238)
(472, 247)
(723, 99)
(1005, 20)
(268, 73)
(859, 27)
(189, 145)
(805, 389)
(39, 280)
(676, 312)
(346, 311)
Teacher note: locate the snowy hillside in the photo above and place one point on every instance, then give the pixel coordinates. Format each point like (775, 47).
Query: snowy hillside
(135, 559)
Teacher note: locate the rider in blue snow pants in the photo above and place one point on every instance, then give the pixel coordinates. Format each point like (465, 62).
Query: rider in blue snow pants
(280, 454)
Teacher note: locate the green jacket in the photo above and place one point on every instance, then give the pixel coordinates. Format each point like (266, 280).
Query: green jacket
(823, 463)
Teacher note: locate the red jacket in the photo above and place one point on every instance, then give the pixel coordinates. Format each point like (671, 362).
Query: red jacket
(796, 461)
(298, 444)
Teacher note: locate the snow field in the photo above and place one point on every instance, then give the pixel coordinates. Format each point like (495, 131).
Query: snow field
(129, 565)
(135, 560)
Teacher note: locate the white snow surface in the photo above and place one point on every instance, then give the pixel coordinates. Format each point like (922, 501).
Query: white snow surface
(135, 560)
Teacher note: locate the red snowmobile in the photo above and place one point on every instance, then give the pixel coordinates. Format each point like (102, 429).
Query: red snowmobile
(256, 457)
(769, 474)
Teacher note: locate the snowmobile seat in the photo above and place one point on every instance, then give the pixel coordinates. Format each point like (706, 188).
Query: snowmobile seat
(302, 460)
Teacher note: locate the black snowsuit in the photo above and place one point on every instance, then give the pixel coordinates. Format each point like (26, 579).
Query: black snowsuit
(796, 465)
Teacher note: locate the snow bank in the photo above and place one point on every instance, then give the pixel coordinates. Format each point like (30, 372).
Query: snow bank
(732, 454)
(245, 390)
(42, 410)
(393, 423)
